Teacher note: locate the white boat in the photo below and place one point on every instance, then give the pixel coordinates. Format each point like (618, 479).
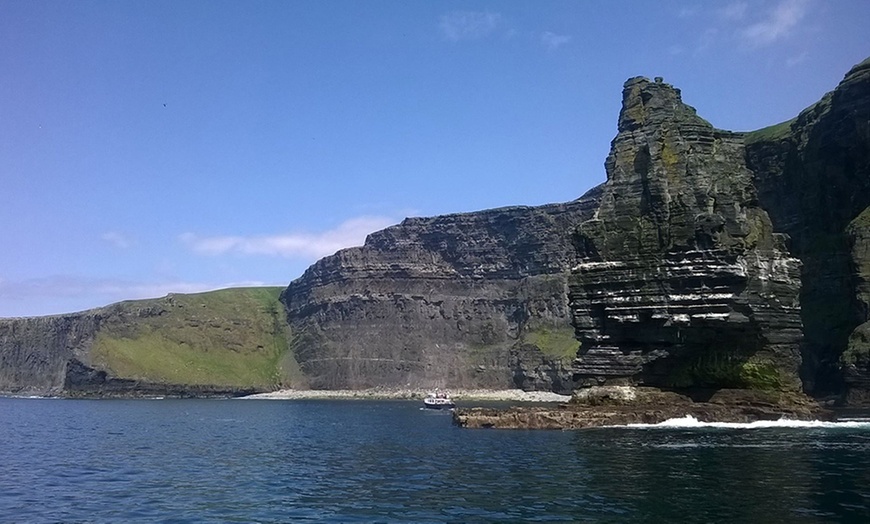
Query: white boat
(438, 400)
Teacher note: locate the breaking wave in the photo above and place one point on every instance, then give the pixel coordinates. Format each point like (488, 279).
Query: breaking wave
(690, 422)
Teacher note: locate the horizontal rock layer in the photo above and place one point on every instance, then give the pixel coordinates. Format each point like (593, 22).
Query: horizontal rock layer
(708, 259)
(682, 281)
(465, 300)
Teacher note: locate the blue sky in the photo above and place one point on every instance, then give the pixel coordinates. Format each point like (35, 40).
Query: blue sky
(149, 147)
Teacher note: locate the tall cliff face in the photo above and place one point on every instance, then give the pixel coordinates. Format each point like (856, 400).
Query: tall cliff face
(35, 352)
(464, 300)
(813, 178)
(682, 281)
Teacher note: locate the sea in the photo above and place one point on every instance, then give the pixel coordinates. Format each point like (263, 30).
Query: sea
(195, 461)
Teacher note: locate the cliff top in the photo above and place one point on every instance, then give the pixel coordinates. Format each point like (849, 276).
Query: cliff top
(648, 103)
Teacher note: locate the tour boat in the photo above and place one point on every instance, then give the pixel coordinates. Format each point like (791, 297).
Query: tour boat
(438, 400)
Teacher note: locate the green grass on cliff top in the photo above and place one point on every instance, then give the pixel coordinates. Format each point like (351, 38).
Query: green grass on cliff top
(770, 133)
(232, 337)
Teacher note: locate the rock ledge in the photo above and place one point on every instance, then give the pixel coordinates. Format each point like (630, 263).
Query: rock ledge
(615, 406)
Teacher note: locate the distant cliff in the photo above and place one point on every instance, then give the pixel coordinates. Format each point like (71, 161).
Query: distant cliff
(35, 352)
(219, 343)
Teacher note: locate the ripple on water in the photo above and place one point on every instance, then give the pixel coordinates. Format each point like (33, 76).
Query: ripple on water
(352, 461)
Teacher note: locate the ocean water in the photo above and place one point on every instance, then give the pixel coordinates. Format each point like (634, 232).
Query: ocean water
(390, 461)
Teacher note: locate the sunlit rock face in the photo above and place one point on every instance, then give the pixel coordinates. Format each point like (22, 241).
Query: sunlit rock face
(464, 300)
(682, 281)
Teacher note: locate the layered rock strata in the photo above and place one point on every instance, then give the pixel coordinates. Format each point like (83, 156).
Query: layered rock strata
(35, 352)
(682, 280)
(709, 259)
(467, 300)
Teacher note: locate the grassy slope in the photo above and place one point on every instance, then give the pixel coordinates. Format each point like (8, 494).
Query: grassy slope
(232, 337)
(554, 342)
(770, 133)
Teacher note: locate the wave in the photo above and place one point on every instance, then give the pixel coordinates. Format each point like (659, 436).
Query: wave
(690, 422)
(39, 397)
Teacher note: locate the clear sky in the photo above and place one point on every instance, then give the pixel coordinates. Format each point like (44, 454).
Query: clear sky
(157, 146)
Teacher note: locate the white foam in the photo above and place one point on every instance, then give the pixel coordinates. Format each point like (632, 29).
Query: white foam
(690, 422)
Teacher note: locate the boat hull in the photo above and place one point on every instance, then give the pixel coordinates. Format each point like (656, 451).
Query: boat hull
(438, 405)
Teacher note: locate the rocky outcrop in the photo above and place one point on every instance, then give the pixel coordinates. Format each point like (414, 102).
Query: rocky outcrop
(812, 176)
(535, 370)
(467, 300)
(616, 406)
(682, 281)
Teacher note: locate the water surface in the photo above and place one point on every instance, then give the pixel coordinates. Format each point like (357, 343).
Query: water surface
(390, 461)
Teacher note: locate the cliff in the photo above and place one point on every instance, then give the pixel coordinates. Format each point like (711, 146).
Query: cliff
(709, 259)
(682, 282)
(812, 175)
(34, 352)
(219, 343)
(465, 300)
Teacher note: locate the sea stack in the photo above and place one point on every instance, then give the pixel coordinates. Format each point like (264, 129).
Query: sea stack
(682, 281)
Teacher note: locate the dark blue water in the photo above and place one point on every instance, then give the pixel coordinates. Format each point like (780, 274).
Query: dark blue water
(368, 461)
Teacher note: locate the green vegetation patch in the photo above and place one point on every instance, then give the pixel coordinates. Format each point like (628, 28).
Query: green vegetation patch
(555, 342)
(155, 358)
(232, 337)
(718, 369)
(770, 133)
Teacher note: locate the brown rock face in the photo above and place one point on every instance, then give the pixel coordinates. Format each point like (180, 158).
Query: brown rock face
(682, 281)
(465, 300)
